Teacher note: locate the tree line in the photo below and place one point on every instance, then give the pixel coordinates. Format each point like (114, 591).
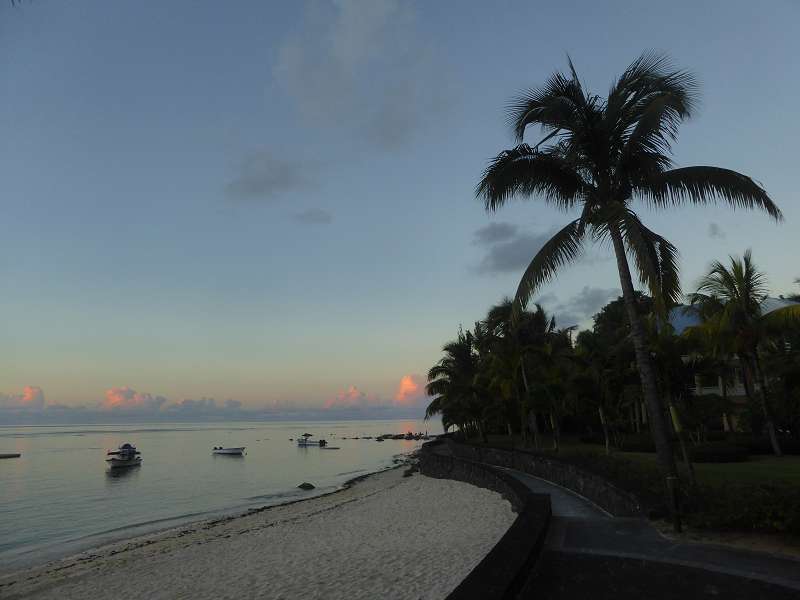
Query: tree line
(594, 157)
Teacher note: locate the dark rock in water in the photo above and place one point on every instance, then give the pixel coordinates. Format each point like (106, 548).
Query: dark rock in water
(306, 486)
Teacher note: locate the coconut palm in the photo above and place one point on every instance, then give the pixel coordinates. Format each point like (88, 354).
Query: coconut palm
(451, 383)
(600, 381)
(729, 299)
(520, 340)
(596, 155)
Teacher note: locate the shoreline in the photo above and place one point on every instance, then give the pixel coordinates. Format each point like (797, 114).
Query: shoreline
(217, 517)
(386, 533)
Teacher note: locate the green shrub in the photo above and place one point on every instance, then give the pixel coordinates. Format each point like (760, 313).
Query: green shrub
(762, 445)
(718, 453)
(717, 436)
(747, 507)
(592, 438)
(638, 442)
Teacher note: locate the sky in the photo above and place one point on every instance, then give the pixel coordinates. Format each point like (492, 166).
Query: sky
(265, 206)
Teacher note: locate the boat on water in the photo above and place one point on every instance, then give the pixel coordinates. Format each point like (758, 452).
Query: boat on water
(304, 442)
(125, 456)
(228, 451)
(10, 454)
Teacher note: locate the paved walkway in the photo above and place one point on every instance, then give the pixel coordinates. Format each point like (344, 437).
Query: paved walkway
(580, 526)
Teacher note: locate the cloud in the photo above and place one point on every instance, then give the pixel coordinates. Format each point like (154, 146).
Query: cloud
(263, 176)
(362, 67)
(205, 407)
(410, 390)
(127, 399)
(715, 231)
(314, 216)
(548, 298)
(512, 254)
(495, 232)
(580, 307)
(352, 397)
(31, 398)
(510, 250)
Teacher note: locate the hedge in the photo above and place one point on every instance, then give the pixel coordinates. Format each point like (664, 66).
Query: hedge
(749, 507)
(718, 453)
(762, 445)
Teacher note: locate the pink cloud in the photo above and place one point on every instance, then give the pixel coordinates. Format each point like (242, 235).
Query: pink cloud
(125, 398)
(410, 390)
(32, 397)
(352, 397)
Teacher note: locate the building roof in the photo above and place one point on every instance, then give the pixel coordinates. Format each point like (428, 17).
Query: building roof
(683, 316)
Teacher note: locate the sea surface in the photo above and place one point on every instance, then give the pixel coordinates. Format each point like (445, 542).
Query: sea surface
(60, 498)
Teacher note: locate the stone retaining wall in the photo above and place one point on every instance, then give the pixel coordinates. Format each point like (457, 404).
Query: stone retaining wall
(604, 494)
(507, 572)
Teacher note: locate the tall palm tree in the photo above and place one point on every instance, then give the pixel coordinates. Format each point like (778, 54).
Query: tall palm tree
(451, 384)
(520, 340)
(729, 299)
(596, 155)
(599, 380)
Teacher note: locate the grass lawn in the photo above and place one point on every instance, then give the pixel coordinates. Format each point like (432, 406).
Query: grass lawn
(757, 469)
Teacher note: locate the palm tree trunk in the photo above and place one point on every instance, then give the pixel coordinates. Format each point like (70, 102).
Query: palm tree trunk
(676, 424)
(726, 424)
(554, 423)
(658, 424)
(605, 429)
(752, 371)
(523, 418)
(762, 384)
(533, 421)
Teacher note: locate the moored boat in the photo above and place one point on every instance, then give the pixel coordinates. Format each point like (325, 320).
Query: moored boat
(125, 456)
(229, 451)
(304, 442)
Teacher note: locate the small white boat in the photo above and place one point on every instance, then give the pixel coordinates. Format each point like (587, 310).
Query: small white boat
(230, 451)
(125, 456)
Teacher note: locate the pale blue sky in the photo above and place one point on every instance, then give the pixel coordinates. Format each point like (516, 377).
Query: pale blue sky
(272, 202)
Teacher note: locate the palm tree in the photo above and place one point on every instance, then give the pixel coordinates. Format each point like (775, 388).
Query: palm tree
(729, 300)
(451, 384)
(519, 340)
(596, 156)
(795, 297)
(599, 381)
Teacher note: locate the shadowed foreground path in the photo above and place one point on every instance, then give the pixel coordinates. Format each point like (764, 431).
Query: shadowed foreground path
(580, 527)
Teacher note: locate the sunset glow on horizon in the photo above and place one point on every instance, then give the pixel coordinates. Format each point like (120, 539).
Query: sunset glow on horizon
(285, 220)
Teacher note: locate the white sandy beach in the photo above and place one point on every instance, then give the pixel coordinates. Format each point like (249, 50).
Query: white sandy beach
(388, 536)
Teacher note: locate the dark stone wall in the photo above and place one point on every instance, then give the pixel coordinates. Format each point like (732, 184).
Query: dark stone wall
(507, 571)
(519, 567)
(603, 493)
(564, 576)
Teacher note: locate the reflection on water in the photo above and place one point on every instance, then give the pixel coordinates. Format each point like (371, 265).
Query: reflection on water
(127, 472)
(57, 497)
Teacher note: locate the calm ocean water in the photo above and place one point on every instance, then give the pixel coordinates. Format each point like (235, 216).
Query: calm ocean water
(60, 498)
